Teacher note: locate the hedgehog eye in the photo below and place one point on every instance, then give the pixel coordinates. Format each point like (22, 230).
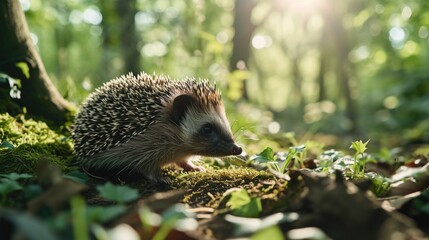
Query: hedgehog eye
(207, 129)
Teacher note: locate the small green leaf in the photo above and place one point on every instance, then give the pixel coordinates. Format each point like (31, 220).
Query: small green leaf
(291, 153)
(265, 156)
(273, 233)
(251, 209)
(120, 194)
(7, 145)
(244, 206)
(16, 176)
(104, 214)
(8, 185)
(238, 199)
(359, 146)
(24, 68)
(77, 176)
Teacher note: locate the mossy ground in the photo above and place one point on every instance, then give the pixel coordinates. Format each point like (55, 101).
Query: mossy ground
(24, 142)
(205, 189)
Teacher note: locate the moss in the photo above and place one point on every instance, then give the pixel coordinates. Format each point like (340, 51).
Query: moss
(27, 141)
(207, 188)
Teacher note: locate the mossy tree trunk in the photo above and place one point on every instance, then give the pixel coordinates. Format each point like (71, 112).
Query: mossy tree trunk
(38, 95)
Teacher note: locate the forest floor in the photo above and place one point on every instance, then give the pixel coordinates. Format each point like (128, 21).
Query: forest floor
(306, 192)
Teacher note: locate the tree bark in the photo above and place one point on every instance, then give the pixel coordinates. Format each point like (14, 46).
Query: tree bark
(343, 47)
(109, 41)
(128, 40)
(322, 65)
(38, 95)
(244, 29)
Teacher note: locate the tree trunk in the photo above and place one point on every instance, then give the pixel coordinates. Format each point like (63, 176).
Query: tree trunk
(322, 65)
(297, 81)
(126, 11)
(344, 76)
(343, 48)
(38, 95)
(109, 40)
(344, 79)
(244, 29)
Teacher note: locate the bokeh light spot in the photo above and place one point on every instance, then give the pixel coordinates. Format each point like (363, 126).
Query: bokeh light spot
(391, 102)
(261, 41)
(92, 15)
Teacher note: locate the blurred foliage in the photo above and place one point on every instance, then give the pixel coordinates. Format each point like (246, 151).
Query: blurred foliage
(172, 35)
(307, 58)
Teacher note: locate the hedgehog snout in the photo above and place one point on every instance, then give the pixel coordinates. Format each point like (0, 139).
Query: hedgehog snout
(221, 149)
(236, 150)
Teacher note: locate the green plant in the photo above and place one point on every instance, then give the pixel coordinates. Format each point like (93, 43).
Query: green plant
(359, 158)
(280, 161)
(175, 216)
(78, 217)
(243, 205)
(9, 183)
(119, 194)
(380, 184)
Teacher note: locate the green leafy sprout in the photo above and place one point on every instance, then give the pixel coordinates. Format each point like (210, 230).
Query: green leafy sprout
(119, 194)
(279, 162)
(243, 205)
(359, 158)
(9, 183)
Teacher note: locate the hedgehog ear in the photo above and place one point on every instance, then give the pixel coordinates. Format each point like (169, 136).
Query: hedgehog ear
(180, 105)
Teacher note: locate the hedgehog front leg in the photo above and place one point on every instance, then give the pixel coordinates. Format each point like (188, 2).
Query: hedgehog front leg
(188, 166)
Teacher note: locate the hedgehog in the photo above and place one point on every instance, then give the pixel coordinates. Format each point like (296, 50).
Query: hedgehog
(135, 125)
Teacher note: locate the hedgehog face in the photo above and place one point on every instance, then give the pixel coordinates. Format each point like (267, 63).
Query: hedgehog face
(209, 133)
(205, 128)
(212, 140)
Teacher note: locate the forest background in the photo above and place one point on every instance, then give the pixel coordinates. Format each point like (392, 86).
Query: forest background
(312, 66)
